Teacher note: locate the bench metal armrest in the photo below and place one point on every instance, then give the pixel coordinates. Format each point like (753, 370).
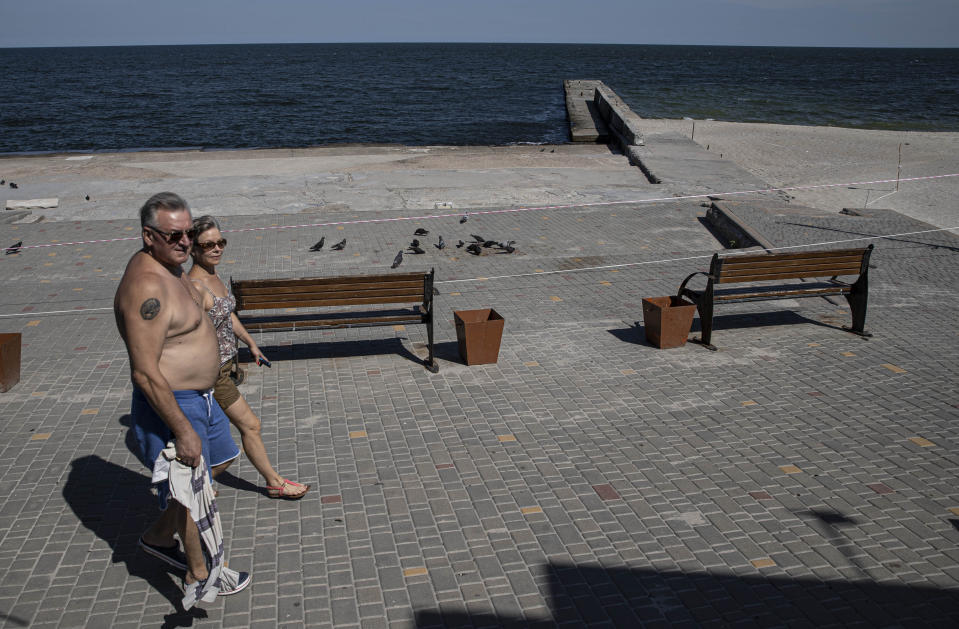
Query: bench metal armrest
(682, 287)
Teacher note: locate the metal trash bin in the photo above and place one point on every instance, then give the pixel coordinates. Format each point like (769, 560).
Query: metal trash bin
(9, 361)
(478, 333)
(667, 320)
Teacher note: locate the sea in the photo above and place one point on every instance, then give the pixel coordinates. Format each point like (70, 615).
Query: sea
(127, 98)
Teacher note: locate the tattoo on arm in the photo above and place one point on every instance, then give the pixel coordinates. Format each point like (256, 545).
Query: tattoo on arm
(150, 308)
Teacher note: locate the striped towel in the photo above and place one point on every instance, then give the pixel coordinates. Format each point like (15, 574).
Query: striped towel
(190, 486)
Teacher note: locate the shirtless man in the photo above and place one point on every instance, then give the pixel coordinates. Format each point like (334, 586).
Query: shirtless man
(174, 362)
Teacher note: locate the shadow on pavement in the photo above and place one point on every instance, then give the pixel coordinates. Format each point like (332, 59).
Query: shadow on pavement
(332, 349)
(585, 596)
(116, 504)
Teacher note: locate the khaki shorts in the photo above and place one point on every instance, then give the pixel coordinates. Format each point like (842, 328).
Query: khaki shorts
(224, 391)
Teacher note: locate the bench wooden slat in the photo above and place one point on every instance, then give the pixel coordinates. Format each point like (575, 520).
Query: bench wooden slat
(416, 278)
(401, 295)
(785, 273)
(729, 265)
(291, 301)
(778, 294)
(266, 289)
(798, 255)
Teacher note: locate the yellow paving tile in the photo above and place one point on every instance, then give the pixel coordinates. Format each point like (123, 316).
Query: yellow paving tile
(51, 264)
(790, 469)
(555, 298)
(763, 563)
(78, 289)
(538, 270)
(750, 403)
(128, 229)
(38, 393)
(812, 344)
(529, 510)
(52, 254)
(40, 436)
(627, 372)
(34, 323)
(86, 257)
(847, 354)
(600, 242)
(482, 279)
(605, 283)
(921, 441)
(90, 411)
(414, 572)
(531, 363)
(506, 438)
(44, 281)
(340, 227)
(259, 237)
(357, 434)
(399, 328)
(893, 368)
(955, 510)
(614, 270)
(456, 294)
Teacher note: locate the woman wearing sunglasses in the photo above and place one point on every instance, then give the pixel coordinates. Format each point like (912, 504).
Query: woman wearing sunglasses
(208, 247)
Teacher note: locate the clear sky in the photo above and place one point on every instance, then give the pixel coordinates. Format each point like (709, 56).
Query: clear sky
(902, 23)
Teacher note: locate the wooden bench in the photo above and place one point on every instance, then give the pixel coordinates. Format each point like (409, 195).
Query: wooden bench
(740, 269)
(342, 293)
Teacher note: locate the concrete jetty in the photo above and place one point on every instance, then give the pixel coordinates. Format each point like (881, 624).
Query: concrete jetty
(798, 476)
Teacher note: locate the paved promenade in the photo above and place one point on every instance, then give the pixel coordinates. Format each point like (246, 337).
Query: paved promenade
(798, 477)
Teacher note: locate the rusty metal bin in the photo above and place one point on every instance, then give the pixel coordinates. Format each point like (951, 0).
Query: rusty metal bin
(667, 320)
(478, 333)
(9, 361)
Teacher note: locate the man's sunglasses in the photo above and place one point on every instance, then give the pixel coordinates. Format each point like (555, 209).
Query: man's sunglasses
(206, 246)
(174, 237)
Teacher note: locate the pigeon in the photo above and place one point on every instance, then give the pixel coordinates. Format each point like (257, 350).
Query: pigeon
(508, 246)
(319, 244)
(13, 185)
(460, 244)
(398, 260)
(415, 243)
(87, 197)
(2, 181)
(465, 218)
(340, 246)
(490, 243)
(478, 238)
(475, 249)
(420, 231)
(14, 248)
(415, 249)
(441, 244)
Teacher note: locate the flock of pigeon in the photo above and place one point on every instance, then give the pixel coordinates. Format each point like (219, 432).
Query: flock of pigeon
(476, 247)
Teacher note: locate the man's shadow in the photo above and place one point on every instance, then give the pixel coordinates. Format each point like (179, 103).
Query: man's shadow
(118, 505)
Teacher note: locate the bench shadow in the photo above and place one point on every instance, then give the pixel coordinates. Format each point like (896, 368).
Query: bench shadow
(764, 319)
(333, 349)
(585, 596)
(116, 504)
(637, 334)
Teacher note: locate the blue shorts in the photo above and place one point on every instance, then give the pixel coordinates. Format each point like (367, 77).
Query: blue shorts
(207, 419)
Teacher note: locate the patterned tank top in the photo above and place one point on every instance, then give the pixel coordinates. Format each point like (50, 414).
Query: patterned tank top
(222, 308)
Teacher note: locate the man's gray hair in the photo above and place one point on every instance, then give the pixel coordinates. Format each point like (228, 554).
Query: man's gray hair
(160, 201)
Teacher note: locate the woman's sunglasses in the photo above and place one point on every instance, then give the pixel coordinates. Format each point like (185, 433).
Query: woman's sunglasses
(174, 237)
(206, 246)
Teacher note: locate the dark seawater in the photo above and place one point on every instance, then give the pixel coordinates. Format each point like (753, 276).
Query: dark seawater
(294, 95)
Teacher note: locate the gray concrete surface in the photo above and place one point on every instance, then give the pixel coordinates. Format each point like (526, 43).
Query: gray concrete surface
(798, 477)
